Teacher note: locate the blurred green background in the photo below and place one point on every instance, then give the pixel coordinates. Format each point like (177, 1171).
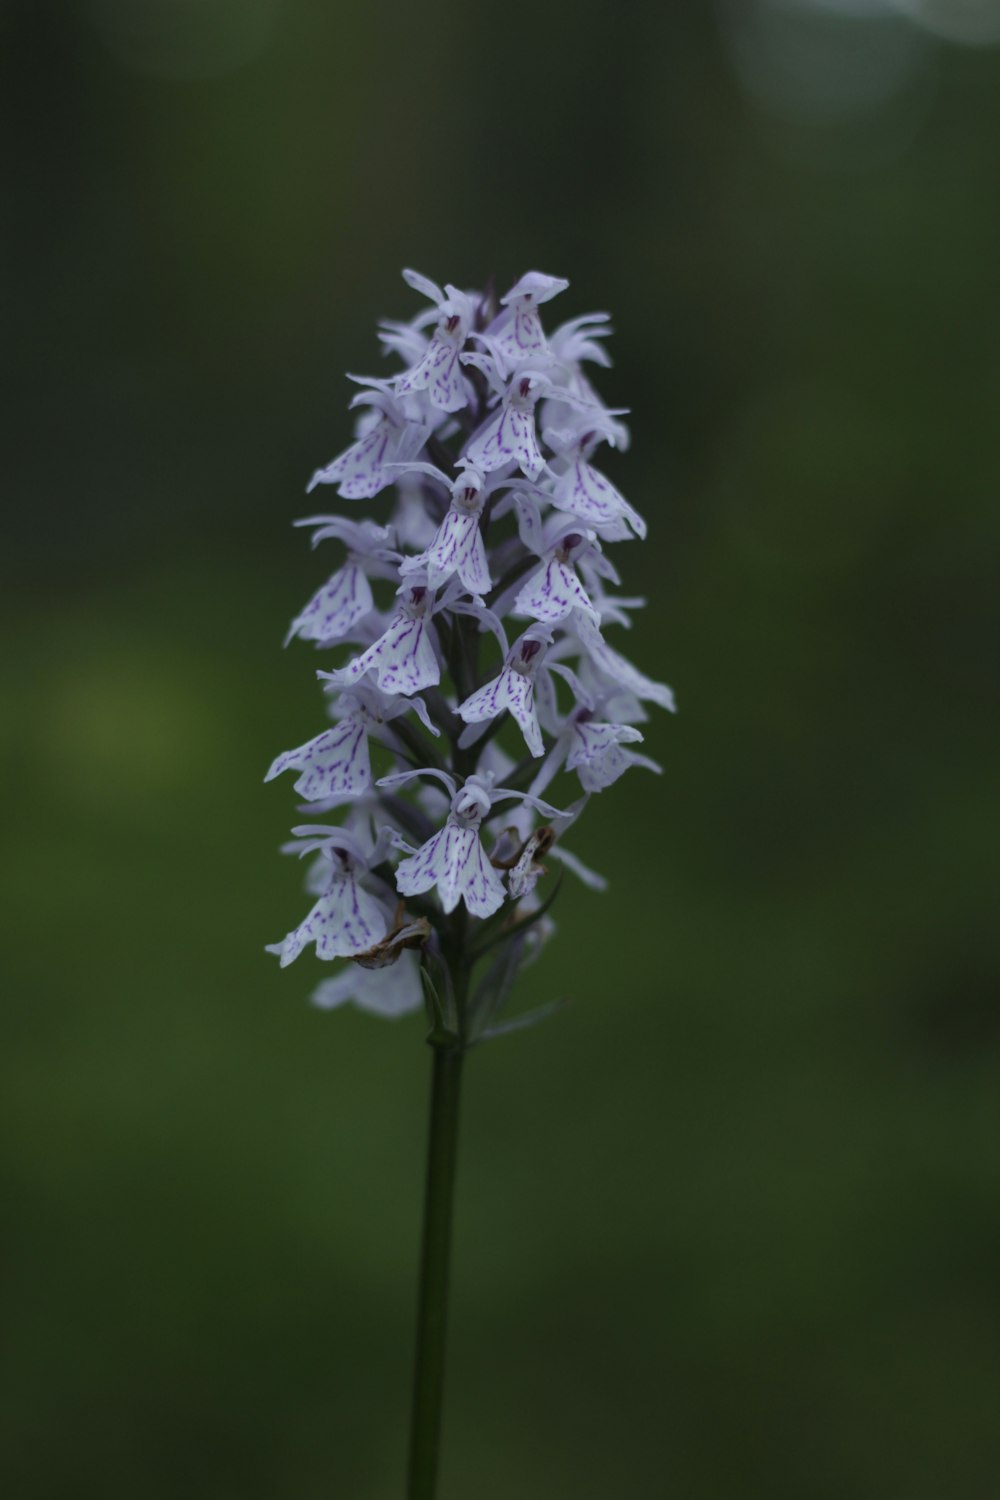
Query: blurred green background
(729, 1226)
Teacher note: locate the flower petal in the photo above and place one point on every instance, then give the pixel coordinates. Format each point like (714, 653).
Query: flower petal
(336, 608)
(513, 691)
(389, 992)
(454, 861)
(345, 920)
(335, 762)
(552, 593)
(403, 659)
(589, 494)
(509, 435)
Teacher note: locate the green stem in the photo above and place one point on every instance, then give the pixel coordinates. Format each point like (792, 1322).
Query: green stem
(428, 1380)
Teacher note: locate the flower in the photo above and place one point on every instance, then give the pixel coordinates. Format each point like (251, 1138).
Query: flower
(517, 331)
(384, 436)
(593, 749)
(485, 439)
(454, 860)
(346, 597)
(337, 763)
(555, 590)
(390, 992)
(513, 690)
(438, 370)
(347, 918)
(584, 491)
(509, 436)
(403, 658)
(458, 545)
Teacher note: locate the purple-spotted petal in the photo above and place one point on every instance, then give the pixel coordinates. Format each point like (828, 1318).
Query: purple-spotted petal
(552, 593)
(403, 660)
(618, 670)
(359, 472)
(439, 373)
(589, 494)
(509, 436)
(335, 609)
(513, 691)
(335, 763)
(345, 920)
(596, 755)
(458, 548)
(455, 862)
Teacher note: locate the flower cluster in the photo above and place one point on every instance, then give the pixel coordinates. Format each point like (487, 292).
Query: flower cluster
(474, 669)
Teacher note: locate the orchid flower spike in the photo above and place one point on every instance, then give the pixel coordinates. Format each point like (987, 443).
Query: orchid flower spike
(469, 626)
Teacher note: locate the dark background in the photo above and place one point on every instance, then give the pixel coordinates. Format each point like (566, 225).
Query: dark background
(729, 1226)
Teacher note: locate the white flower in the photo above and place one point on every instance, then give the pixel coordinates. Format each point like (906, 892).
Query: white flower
(586, 492)
(389, 992)
(517, 331)
(575, 399)
(337, 763)
(596, 753)
(384, 437)
(513, 690)
(555, 590)
(335, 609)
(403, 658)
(509, 436)
(334, 763)
(346, 919)
(454, 860)
(575, 341)
(611, 665)
(438, 370)
(458, 545)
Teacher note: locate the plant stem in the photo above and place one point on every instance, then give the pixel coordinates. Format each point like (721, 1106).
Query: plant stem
(428, 1379)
